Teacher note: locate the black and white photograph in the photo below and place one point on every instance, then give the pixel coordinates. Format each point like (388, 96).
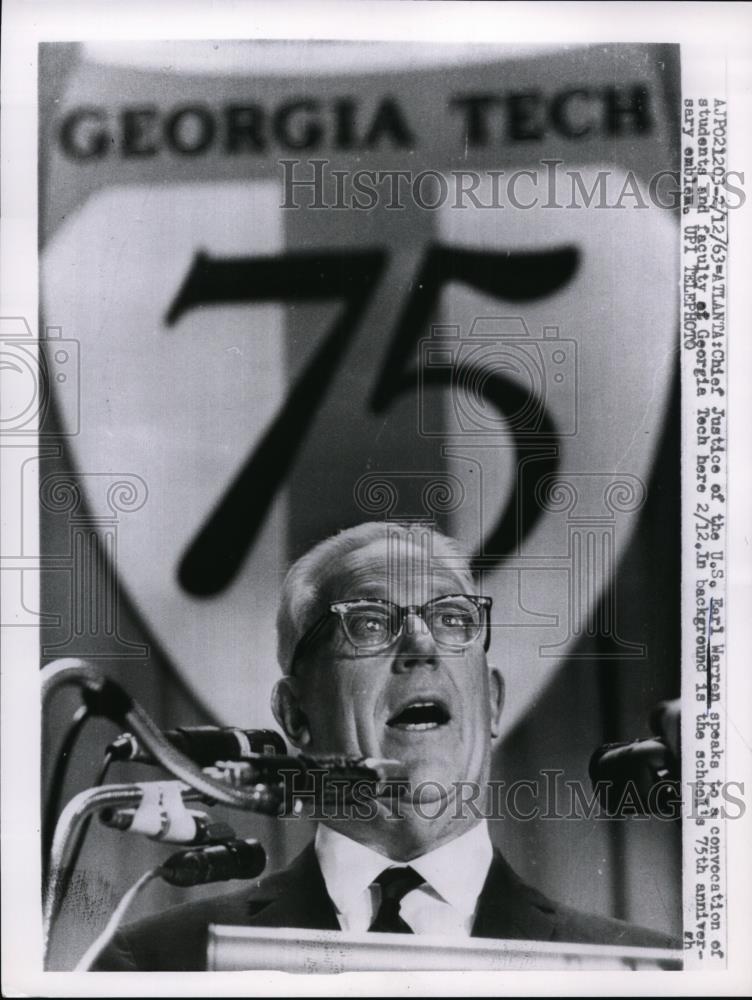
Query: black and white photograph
(367, 466)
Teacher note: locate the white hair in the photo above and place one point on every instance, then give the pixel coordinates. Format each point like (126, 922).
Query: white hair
(303, 589)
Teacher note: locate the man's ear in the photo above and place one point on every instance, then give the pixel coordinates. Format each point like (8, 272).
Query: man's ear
(289, 714)
(496, 699)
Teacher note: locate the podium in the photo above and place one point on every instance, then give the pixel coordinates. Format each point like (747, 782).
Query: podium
(289, 949)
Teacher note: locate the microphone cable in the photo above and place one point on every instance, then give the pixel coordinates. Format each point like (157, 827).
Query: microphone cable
(94, 950)
(232, 859)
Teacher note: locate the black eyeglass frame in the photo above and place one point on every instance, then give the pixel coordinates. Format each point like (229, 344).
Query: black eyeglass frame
(339, 609)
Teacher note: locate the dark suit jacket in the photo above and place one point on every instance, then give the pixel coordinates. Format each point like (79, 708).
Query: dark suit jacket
(176, 940)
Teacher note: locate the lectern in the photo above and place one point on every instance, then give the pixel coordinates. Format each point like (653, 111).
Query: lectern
(234, 949)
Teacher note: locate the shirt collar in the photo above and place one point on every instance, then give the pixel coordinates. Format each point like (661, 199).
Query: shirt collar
(347, 866)
(455, 870)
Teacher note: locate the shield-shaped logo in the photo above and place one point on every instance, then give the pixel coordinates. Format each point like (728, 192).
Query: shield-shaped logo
(272, 370)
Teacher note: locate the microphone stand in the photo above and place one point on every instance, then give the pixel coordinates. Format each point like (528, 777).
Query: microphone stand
(105, 697)
(248, 785)
(90, 801)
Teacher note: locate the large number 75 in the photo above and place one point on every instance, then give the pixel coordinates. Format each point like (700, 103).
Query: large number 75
(224, 541)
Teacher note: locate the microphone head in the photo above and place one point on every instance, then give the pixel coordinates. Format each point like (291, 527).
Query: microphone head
(372, 769)
(277, 768)
(205, 745)
(282, 782)
(235, 859)
(635, 775)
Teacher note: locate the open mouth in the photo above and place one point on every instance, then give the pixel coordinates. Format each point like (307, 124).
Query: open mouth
(419, 715)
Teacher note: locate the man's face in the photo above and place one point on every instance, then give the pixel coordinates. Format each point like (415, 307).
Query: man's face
(429, 706)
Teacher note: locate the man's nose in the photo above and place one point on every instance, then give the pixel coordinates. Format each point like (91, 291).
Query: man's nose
(417, 646)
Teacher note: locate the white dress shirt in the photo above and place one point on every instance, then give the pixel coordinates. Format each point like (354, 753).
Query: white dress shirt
(444, 904)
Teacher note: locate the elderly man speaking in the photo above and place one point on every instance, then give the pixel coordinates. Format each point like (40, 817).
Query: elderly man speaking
(382, 640)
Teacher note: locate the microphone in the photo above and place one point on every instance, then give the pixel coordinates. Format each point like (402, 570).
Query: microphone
(216, 863)
(276, 768)
(205, 745)
(196, 827)
(355, 769)
(644, 769)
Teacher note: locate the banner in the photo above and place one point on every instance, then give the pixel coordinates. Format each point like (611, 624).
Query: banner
(312, 284)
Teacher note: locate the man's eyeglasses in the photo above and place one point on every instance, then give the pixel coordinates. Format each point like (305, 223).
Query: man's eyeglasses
(372, 625)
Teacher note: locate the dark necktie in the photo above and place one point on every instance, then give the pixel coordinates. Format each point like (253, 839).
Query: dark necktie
(395, 883)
